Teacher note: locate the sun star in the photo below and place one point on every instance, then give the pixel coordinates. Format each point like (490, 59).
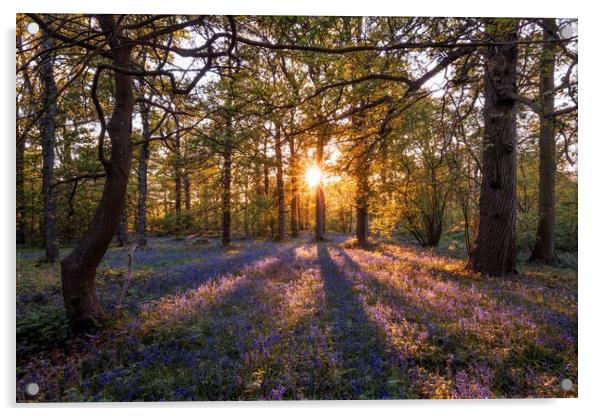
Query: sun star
(313, 176)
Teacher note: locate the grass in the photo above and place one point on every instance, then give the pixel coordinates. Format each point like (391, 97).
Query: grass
(300, 320)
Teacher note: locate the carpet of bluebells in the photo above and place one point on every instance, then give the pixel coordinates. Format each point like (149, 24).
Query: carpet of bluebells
(299, 320)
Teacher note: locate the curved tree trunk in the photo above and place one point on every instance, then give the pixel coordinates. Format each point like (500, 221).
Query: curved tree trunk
(47, 131)
(494, 249)
(544, 250)
(78, 269)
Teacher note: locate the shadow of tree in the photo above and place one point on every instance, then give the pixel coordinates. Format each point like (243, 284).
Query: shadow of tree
(180, 278)
(368, 359)
(236, 346)
(509, 375)
(439, 337)
(510, 291)
(202, 353)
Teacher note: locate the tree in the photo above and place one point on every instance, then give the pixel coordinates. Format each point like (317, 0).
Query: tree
(24, 126)
(544, 249)
(544, 107)
(122, 229)
(294, 174)
(143, 157)
(280, 185)
(320, 213)
(47, 132)
(227, 184)
(78, 271)
(494, 249)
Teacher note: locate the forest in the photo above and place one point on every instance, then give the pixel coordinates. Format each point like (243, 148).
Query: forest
(295, 207)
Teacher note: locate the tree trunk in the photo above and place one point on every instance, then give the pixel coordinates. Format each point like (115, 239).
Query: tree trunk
(122, 229)
(266, 170)
(494, 250)
(186, 184)
(22, 134)
(178, 182)
(280, 188)
(384, 173)
(205, 216)
(294, 189)
(361, 201)
(320, 200)
(142, 177)
(78, 269)
(245, 219)
(320, 208)
(227, 183)
(266, 189)
(20, 197)
(47, 131)
(544, 250)
(300, 215)
(362, 185)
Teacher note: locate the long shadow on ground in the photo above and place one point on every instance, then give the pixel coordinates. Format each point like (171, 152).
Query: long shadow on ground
(510, 291)
(363, 347)
(507, 377)
(179, 278)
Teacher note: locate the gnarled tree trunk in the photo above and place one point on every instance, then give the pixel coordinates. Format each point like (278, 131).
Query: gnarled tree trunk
(78, 269)
(494, 249)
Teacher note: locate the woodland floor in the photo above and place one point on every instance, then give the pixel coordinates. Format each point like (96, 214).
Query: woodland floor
(299, 320)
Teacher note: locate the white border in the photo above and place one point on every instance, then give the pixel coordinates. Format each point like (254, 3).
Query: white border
(590, 201)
